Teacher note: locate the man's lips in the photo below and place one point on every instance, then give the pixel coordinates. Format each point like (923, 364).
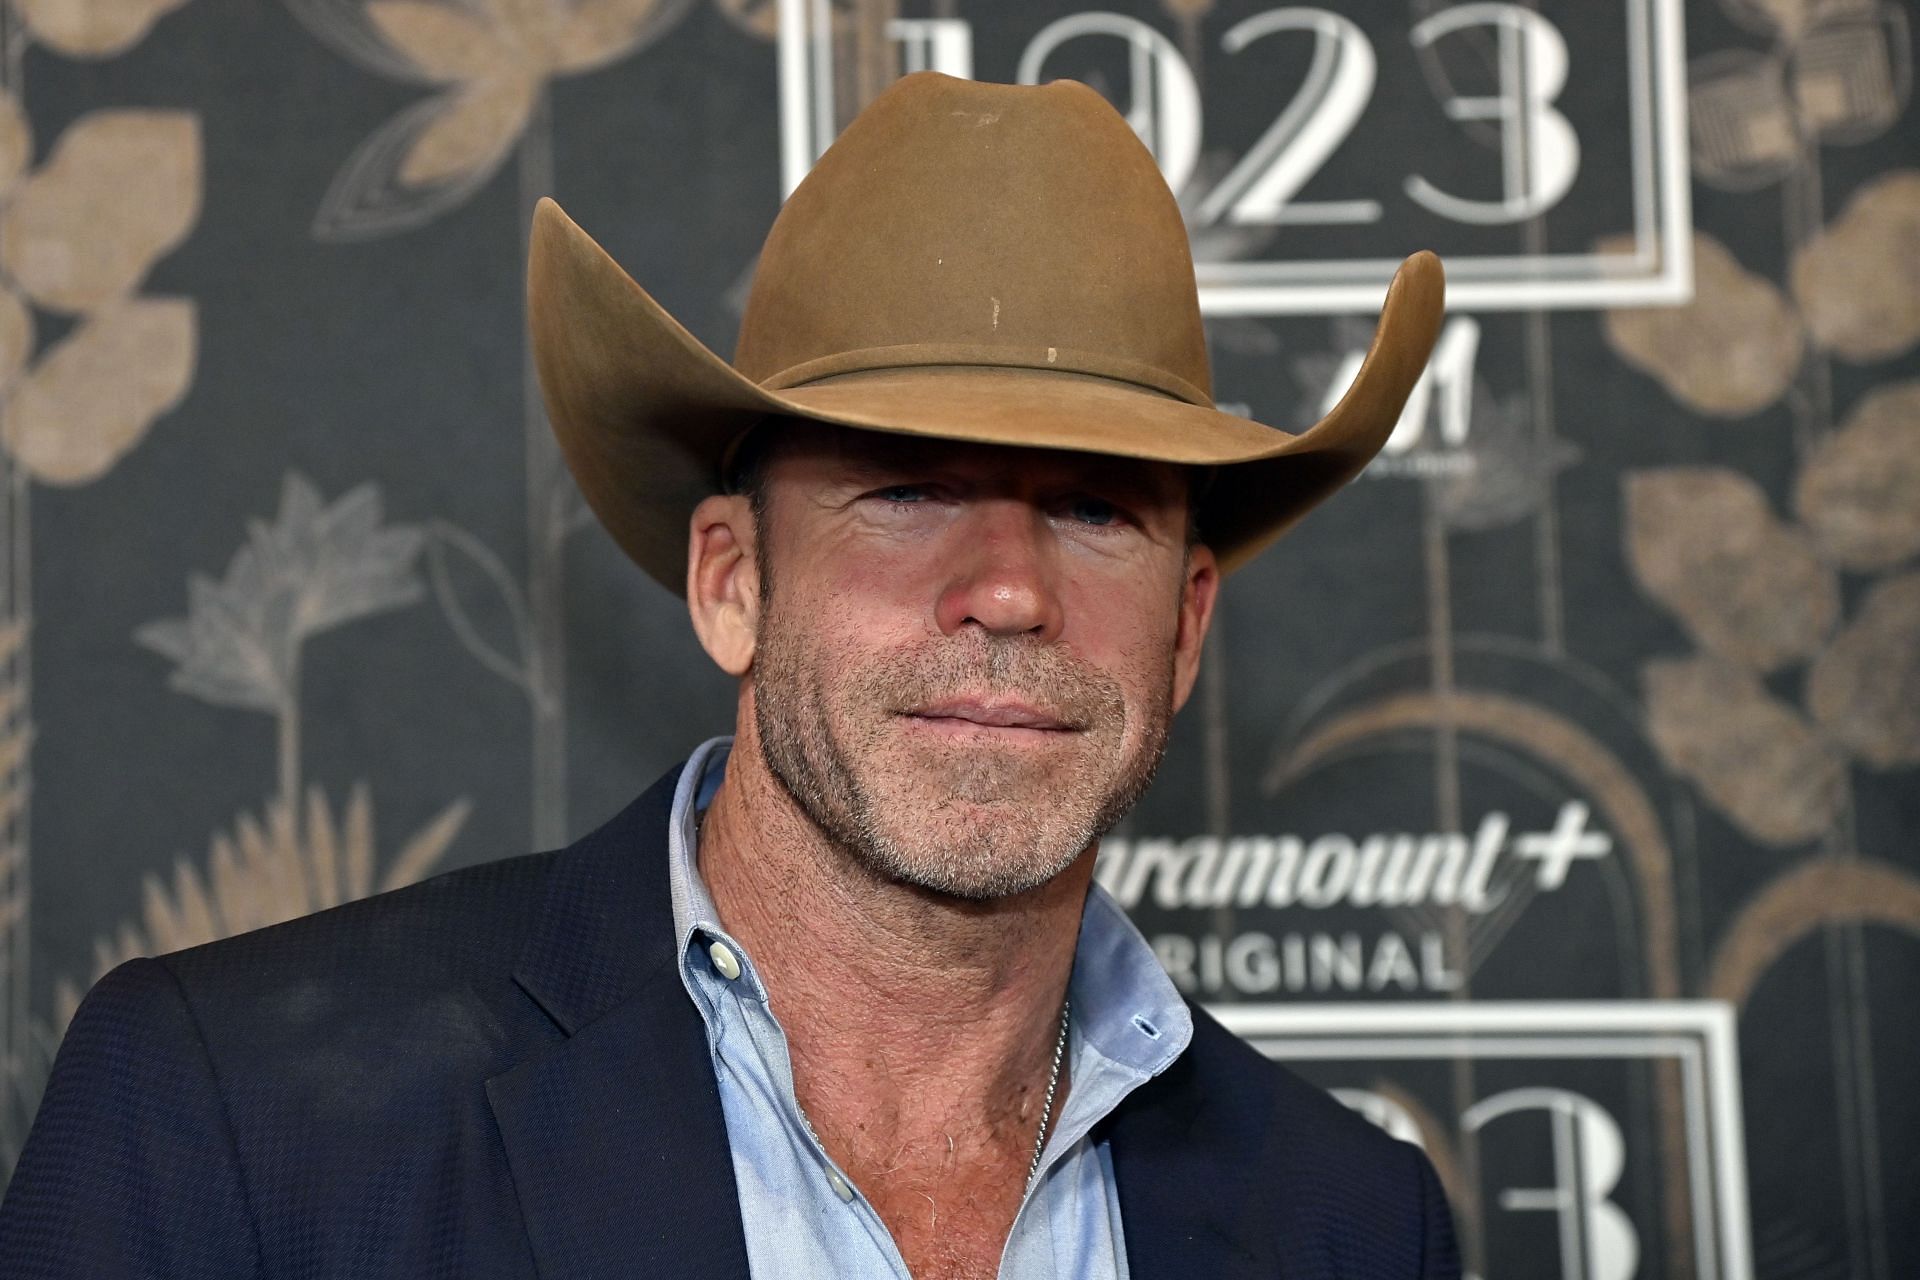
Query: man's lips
(996, 713)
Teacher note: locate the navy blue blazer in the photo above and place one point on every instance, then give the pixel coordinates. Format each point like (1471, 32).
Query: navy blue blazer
(497, 1073)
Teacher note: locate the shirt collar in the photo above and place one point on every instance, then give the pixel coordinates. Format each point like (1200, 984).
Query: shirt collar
(1124, 1005)
(694, 915)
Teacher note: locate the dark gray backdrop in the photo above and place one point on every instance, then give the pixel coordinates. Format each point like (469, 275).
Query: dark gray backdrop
(1667, 577)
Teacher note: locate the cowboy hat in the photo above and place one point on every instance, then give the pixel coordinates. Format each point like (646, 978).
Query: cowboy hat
(993, 263)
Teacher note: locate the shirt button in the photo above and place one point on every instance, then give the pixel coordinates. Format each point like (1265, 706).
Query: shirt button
(724, 960)
(840, 1187)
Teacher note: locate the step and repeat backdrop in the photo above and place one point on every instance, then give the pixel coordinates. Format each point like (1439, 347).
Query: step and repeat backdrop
(1552, 796)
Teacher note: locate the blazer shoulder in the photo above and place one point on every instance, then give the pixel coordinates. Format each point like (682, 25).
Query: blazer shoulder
(1271, 1093)
(1368, 1200)
(421, 974)
(130, 1168)
(1230, 1158)
(468, 919)
(437, 982)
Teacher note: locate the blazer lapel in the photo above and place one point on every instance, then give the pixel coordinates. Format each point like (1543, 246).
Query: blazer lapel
(615, 1135)
(1181, 1165)
(618, 1144)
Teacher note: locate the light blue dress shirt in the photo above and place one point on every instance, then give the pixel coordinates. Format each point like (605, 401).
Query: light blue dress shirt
(803, 1216)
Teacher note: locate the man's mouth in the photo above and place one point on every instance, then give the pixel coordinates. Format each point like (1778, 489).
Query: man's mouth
(991, 713)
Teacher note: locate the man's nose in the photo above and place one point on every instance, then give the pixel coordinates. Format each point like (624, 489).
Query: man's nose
(1003, 574)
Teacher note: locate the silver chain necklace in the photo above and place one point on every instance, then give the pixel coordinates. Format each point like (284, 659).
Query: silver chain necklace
(1053, 1083)
(1046, 1108)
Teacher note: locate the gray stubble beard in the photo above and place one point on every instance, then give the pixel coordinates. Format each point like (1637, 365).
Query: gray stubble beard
(820, 774)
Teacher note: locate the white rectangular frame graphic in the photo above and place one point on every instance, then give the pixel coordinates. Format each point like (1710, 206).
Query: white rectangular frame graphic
(1659, 271)
(1699, 1034)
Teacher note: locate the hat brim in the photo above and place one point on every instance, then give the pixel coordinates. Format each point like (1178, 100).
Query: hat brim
(645, 413)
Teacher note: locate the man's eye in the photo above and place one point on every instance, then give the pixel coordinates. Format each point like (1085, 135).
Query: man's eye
(1095, 511)
(902, 493)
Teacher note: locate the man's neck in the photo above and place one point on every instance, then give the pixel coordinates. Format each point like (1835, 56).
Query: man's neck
(920, 1025)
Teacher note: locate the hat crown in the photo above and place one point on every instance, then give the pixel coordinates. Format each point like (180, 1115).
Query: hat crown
(957, 222)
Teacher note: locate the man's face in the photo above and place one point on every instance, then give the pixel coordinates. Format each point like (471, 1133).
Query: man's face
(967, 656)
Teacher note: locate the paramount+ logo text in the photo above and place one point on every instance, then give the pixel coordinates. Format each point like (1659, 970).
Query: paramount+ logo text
(1405, 876)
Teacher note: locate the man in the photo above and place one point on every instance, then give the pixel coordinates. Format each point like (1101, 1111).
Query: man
(837, 997)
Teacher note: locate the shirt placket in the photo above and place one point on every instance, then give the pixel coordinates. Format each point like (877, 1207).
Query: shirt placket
(747, 1025)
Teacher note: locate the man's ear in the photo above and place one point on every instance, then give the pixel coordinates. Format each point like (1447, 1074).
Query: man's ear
(723, 580)
(1198, 592)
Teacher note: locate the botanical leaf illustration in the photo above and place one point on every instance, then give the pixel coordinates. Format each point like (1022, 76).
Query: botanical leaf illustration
(492, 57)
(94, 395)
(347, 27)
(1866, 687)
(121, 188)
(1754, 758)
(265, 872)
(222, 650)
(1731, 351)
(92, 28)
(348, 566)
(16, 336)
(450, 43)
(1859, 491)
(422, 853)
(1702, 541)
(598, 32)
(471, 132)
(369, 197)
(315, 567)
(525, 38)
(16, 142)
(1858, 282)
(454, 555)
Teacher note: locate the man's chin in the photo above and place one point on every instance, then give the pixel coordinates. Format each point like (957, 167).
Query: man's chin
(969, 881)
(969, 798)
(974, 852)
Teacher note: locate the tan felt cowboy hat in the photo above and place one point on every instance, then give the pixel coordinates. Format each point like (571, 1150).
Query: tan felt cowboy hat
(970, 261)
